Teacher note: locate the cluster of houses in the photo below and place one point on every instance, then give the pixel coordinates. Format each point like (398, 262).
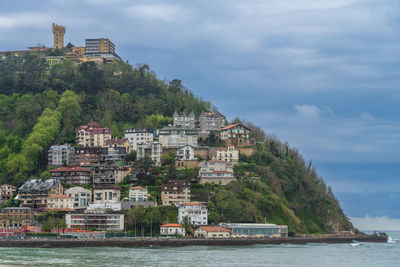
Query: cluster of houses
(85, 177)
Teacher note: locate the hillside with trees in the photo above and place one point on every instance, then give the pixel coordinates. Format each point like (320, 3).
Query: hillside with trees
(42, 106)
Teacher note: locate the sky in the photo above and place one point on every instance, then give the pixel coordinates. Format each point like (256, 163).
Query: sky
(320, 75)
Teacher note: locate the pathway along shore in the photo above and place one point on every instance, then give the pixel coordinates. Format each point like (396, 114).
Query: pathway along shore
(164, 242)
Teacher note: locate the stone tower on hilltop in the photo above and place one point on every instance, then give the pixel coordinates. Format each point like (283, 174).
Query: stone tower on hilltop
(58, 32)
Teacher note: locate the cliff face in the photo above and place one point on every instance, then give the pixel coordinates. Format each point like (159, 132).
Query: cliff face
(39, 108)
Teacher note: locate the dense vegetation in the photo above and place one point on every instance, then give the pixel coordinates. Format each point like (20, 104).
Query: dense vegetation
(41, 106)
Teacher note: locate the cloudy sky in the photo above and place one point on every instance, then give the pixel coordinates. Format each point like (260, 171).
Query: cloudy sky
(321, 75)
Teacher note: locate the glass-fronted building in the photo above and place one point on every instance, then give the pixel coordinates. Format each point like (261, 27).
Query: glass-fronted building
(253, 229)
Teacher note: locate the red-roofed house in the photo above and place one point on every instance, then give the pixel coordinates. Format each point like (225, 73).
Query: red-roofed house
(6, 192)
(212, 232)
(216, 172)
(92, 135)
(60, 202)
(138, 194)
(235, 134)
(72, 175)
(172, 229)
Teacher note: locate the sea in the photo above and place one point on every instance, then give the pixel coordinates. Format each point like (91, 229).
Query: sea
(353, 254)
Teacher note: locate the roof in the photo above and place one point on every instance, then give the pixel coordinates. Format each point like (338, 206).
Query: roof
(214, 229)
(232, 126)
(136, 187)
(58, 196)
(70, 169)
(192, 204)
(8, 185)
(172, 225)
(117, 141)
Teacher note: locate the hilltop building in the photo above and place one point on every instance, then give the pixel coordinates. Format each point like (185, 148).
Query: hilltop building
(184, 120)
(58, 34)
(210, 122)
(100, 47)
(154, 152)
(235, 135)
(228, 154)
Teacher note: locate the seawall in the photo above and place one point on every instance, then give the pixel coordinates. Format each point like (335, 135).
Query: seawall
(164, 242)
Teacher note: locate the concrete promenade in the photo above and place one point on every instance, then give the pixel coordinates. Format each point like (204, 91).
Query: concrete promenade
(178, 242)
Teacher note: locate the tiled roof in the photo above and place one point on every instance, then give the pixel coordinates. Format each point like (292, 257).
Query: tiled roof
(192, 204)
(136, 187)
(232, 126)
(214, 229)
(117, 141)
(8, 185)
(70, 169)
(172, 225)
(58, 196)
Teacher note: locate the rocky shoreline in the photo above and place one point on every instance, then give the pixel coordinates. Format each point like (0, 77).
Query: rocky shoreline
(164, 242)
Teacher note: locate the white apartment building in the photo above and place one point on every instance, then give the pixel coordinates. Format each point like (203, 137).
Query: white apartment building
(185, 153)
(140, 136)
(196, 213)
(228, 154)
(138, 194)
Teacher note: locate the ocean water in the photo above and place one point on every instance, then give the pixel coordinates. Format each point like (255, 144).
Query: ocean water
(355, 254)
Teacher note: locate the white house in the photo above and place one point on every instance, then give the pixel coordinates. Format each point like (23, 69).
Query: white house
(228, 154)
(196, 213)
(138, 194)
(139, 136)
(172, 229)
(185, 152)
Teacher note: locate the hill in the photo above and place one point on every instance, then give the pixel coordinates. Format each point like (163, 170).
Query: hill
(41, 106)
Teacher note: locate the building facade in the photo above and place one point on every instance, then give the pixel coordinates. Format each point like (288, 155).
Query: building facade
(72, 175)
(175, 192)
(34, 192)
(58, 34)
(143, 136)
(210, 122)
(60, 202)
(228, 154)
(61, 155)
(185, 153)
(170, 137)
(106, 193)
(6, 192)
(82, 197)
(235, 135)
(215, 172)
(138, 194)
(109, 173)
(184, 120)
(89, 156)
(100, 47)
(92, 135)
(96, 220)
(117, 149)
(174, 229)
(256, 229)
(16, 217)
(212, 232)
(196, 213)
(154, 151)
